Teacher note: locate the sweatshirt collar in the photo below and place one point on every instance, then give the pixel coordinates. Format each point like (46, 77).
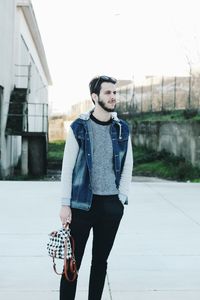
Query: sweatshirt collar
(86, 116)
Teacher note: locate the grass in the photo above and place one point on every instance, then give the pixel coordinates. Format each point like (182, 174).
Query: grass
(153, 169)
(146, 163)
(164, 116)
(55, 150)
(160, 117)
(163, 165)
(197, 180)
(18, 177)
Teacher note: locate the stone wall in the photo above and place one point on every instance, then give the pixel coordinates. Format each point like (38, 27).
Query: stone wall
(181, 139)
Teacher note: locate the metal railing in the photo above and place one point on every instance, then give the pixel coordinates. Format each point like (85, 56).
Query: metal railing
(28, 117)
(161, 94)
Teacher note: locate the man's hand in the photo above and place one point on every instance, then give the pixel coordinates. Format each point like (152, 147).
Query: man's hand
(65, 215)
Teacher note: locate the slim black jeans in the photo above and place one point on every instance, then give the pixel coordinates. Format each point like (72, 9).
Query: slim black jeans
(104, 218)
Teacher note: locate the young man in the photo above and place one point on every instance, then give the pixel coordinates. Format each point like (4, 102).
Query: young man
(96, 174)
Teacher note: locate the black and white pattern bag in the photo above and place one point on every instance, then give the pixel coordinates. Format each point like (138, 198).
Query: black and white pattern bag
(61, 246)
(58, 240)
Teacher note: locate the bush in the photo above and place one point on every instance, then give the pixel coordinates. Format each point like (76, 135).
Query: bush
(55, 150)
(162, 164)
(190, 113)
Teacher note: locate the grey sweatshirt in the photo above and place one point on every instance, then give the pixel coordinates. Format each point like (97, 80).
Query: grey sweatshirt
(103, 177)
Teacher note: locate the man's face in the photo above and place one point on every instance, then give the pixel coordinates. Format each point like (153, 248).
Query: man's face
(107, 96)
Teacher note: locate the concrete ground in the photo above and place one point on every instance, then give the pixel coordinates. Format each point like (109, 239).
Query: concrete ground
(156, 255)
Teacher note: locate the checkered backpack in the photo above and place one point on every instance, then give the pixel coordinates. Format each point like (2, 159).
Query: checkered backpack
(61, 246)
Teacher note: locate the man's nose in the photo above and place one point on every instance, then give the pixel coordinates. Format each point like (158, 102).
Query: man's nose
(113, 95)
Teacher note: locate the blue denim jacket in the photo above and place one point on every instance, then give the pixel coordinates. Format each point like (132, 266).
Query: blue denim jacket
(81, 196)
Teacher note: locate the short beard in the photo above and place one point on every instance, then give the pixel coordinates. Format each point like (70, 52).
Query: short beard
(102, 104)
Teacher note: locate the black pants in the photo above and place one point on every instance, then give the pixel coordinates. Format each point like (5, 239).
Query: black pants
(104, 218)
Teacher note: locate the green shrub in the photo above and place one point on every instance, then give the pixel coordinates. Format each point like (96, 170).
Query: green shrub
(162, 164)
(190, 113)
(55, 150)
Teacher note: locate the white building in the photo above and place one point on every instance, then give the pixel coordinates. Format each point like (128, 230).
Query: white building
(24, 81)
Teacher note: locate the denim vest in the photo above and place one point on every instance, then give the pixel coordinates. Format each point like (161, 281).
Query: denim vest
(81, 196)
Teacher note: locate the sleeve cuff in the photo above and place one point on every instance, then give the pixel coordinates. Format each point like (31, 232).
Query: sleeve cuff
(65, 201)
(123, 198)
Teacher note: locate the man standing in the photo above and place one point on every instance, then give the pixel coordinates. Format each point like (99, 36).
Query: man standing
(96, 174)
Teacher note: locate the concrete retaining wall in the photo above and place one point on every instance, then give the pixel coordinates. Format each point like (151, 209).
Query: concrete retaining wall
(181, 139)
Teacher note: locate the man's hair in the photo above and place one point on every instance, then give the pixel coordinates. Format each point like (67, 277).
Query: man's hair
(95, 83)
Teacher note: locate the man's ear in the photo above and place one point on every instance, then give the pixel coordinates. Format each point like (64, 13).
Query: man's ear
(94, 97)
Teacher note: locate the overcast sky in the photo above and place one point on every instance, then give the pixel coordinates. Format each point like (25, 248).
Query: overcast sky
(120, 38)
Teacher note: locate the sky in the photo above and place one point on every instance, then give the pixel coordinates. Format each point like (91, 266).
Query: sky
(125, 39)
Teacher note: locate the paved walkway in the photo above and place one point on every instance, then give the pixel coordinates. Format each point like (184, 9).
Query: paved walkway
(156, 255)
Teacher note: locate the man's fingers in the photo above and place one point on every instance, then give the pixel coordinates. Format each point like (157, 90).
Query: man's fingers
(66, 221)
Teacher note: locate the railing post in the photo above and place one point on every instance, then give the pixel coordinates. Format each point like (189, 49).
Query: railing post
(133, 100)
(141, 98)
(189, 92)
(175, 92)
(151, 97)
(43, 117)
(162, 97)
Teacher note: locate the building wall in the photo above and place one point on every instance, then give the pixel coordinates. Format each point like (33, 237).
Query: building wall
(59, 125)
(18, 48)
(81, 107)
(57, 130)
(7, 57)
(38, 95)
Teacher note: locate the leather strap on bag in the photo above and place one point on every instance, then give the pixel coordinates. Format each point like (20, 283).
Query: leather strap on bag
(70, 269)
